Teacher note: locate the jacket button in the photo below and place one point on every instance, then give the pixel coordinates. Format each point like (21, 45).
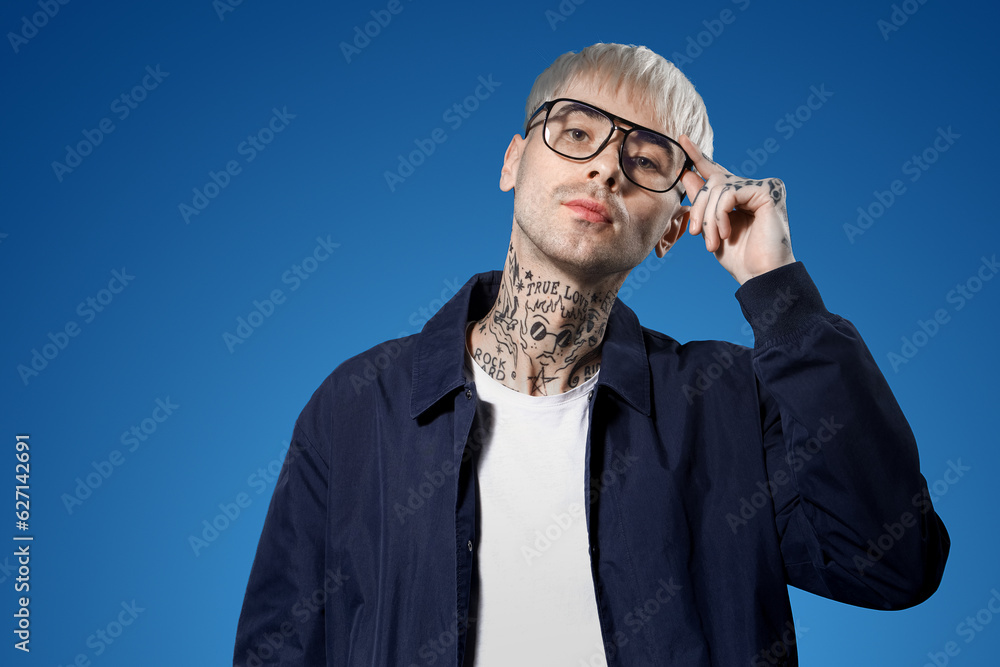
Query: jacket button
(590, 395)
(468, 393)
(470, 545)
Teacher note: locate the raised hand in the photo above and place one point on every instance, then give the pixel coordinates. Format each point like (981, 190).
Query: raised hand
(743, 221)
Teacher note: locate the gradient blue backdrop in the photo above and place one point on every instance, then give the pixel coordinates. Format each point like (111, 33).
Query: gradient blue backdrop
(222, 76)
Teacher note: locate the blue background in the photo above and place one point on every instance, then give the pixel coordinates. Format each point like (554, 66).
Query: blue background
(402, 249)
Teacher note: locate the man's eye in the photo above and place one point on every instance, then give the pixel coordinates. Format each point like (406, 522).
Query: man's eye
(576, 134)
(644, 163)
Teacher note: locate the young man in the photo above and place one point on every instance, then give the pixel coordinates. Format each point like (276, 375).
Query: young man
(536, 479)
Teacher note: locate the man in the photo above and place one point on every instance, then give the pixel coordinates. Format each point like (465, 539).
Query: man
(535, 479)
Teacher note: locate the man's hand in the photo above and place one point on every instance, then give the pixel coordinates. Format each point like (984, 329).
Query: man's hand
(743, 221)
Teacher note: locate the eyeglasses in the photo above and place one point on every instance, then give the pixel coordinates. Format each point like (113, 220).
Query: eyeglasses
(579, 131)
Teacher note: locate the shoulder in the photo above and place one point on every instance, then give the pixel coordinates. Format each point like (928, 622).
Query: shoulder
(358, 386)
(686, 371)
(661, 348)
(384, 363)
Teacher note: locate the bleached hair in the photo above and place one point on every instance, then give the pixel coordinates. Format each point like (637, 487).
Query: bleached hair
(647, 77)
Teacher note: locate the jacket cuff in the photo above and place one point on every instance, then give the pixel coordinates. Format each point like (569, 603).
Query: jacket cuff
(780, 302)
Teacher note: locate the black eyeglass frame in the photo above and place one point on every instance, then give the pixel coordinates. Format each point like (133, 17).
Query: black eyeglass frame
(547, 107)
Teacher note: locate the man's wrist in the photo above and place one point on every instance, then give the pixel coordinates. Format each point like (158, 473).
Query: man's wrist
(780, 301)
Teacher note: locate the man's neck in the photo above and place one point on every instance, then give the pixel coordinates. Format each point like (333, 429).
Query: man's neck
(543, 335)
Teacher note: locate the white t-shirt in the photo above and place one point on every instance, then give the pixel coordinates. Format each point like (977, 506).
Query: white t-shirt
(536, 598)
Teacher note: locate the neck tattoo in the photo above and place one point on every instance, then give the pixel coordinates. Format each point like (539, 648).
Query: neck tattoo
(542, 336)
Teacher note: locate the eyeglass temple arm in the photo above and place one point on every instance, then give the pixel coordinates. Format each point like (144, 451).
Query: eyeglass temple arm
(688, 164)
(544, 107)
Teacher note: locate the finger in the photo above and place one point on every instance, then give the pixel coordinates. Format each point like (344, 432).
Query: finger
(705, 166)
(725, 227)
(698, 209)
(710, 224)
(692, 183)
(701, 209)
(723, 205)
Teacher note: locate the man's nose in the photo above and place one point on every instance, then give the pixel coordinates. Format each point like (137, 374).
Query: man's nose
(606, 165)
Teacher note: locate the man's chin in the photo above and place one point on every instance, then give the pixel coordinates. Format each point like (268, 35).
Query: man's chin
(595, 265)
(577, 251)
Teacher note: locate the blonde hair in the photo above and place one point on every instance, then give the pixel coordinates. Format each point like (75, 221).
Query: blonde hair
(650, 78)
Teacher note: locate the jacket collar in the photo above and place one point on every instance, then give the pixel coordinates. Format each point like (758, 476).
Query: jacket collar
(439, 361)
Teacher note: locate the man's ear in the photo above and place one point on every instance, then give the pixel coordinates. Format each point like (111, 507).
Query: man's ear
(511, 162)
(673, 232)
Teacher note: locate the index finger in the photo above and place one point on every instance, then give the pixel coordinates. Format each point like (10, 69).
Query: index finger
(705, 166)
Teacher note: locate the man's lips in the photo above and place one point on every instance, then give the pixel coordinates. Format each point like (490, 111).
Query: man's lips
(588, 209)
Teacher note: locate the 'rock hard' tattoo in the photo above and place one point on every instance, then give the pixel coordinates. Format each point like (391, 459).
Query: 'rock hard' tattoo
(555, 326)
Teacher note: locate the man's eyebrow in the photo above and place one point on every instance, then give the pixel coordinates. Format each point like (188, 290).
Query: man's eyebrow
(649, 136)
(584, 109)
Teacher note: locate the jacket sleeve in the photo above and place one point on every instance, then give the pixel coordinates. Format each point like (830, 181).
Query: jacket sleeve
(856, 523)
(281, 622)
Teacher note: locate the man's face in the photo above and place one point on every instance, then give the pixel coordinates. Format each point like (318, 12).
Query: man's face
(555, 197)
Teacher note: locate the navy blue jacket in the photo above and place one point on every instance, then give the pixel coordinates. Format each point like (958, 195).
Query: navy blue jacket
(716, 475)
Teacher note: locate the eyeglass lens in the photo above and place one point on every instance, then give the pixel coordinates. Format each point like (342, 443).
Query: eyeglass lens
(577, 131)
